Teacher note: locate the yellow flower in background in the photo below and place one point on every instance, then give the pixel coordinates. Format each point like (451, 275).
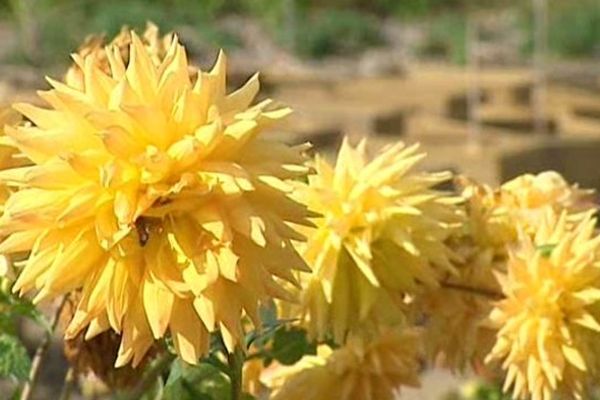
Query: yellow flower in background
(489, 223)
(96, 46)
(457, 335)
(549, 187)
(551, 286)
(455, 311)
(528, 195)
(153, 193)
(357, 371)
(381, 235)
(495, 215)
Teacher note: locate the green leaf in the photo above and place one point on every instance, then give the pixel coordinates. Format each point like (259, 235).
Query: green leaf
(268, 313)
(546, 249)
(15, 307)
(14, 360)
(196, 382)
(155, 392)
(289, 345)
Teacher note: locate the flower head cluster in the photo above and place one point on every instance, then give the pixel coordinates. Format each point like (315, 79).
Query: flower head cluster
(381, 235)
(527, 196)
(551, 289)
(356, 371)
(152, 192)
(457, 334)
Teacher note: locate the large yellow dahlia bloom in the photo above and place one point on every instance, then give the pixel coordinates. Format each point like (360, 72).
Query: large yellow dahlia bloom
(153, 193)
(551, 289)
(381, 236)
(356, 371)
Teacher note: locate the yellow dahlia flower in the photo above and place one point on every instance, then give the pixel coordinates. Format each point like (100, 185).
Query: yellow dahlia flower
(154, 194)
(550, 286)
(528, 195)
(494, 215)
(356, 371)
(455, 311)
(381, 236)
(456, 336)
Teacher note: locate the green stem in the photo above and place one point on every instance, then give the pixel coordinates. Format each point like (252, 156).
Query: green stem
(473, 290)
(40, 354)
(149, 378)
(68, 384)
(236, 364)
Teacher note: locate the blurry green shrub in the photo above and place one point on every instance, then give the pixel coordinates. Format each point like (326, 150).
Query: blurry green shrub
(62, 24)
(313, 28)
(574, 28)
(337, 32)
(477, 390)
(446, 34)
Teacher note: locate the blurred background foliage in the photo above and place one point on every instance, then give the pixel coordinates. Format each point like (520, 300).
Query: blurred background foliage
(309, 28)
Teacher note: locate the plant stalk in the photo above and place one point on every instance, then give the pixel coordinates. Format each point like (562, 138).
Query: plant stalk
(472, 290)
(236, 364)
(150, 376)
(68, 384)
(40, 354)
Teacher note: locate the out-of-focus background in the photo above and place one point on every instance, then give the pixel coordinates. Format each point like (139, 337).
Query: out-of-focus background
(490, 88)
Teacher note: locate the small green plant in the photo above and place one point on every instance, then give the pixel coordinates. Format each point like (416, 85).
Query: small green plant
(574, 28)
(446, 37)
(338, 32)
(53, 37)
(478, 390)
(15, 362)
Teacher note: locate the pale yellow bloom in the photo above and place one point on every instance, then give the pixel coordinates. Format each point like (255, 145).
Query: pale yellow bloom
(154, 194)
(549, 187)
(357, 371)
(495, 215)
(490, 223)
(551, 287)
(381, 237)
(456, 334)
(527, 196)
